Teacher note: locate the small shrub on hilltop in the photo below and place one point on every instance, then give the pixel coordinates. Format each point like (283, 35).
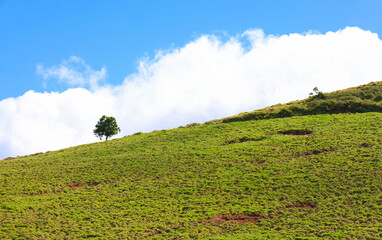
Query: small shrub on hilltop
(316, 94)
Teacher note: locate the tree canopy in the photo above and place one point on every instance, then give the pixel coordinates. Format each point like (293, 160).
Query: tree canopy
(106, 126)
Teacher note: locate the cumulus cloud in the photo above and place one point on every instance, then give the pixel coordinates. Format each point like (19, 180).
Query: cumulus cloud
(74, 72)
(208, 78)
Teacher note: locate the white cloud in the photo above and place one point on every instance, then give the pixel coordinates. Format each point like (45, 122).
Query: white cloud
(206, 79)
(74, 72)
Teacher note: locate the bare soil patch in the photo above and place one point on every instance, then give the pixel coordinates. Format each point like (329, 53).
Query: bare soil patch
(316, 152)
(243, 139)
(296, 132)
(75, 185)
(79, 184)
(159, 230)
(304, 205)
(238, 218)
(254, 217)
(38, 193)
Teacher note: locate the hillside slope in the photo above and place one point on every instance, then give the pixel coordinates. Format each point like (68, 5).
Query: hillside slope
(307, 176)
(364, 98)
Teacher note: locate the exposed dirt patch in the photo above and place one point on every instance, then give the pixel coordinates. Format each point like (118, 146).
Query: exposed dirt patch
(243, 139)
(75, 185)
(313, 152)
(38, 193)
(296, 132)
(297, 205)
(304, 205)
(159, 230)
(316, 152)
(238, 218)
(79, 184)
(256, 216)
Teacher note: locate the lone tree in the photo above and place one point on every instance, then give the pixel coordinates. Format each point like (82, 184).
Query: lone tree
(316, 94)
(106, 126)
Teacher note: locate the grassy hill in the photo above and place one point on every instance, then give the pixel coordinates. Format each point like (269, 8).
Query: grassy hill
(300, 177)
(365, 98)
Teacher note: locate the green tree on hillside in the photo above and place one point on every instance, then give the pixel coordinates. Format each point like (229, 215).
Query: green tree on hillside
(316, 94)
(106, 126)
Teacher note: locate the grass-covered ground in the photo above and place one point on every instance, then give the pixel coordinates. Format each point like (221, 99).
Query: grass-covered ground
(238, 180)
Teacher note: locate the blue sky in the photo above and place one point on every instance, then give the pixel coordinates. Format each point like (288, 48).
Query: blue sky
(116, 34)
(162, 64)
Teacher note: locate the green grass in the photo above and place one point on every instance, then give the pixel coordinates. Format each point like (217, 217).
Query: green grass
(170, 184)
